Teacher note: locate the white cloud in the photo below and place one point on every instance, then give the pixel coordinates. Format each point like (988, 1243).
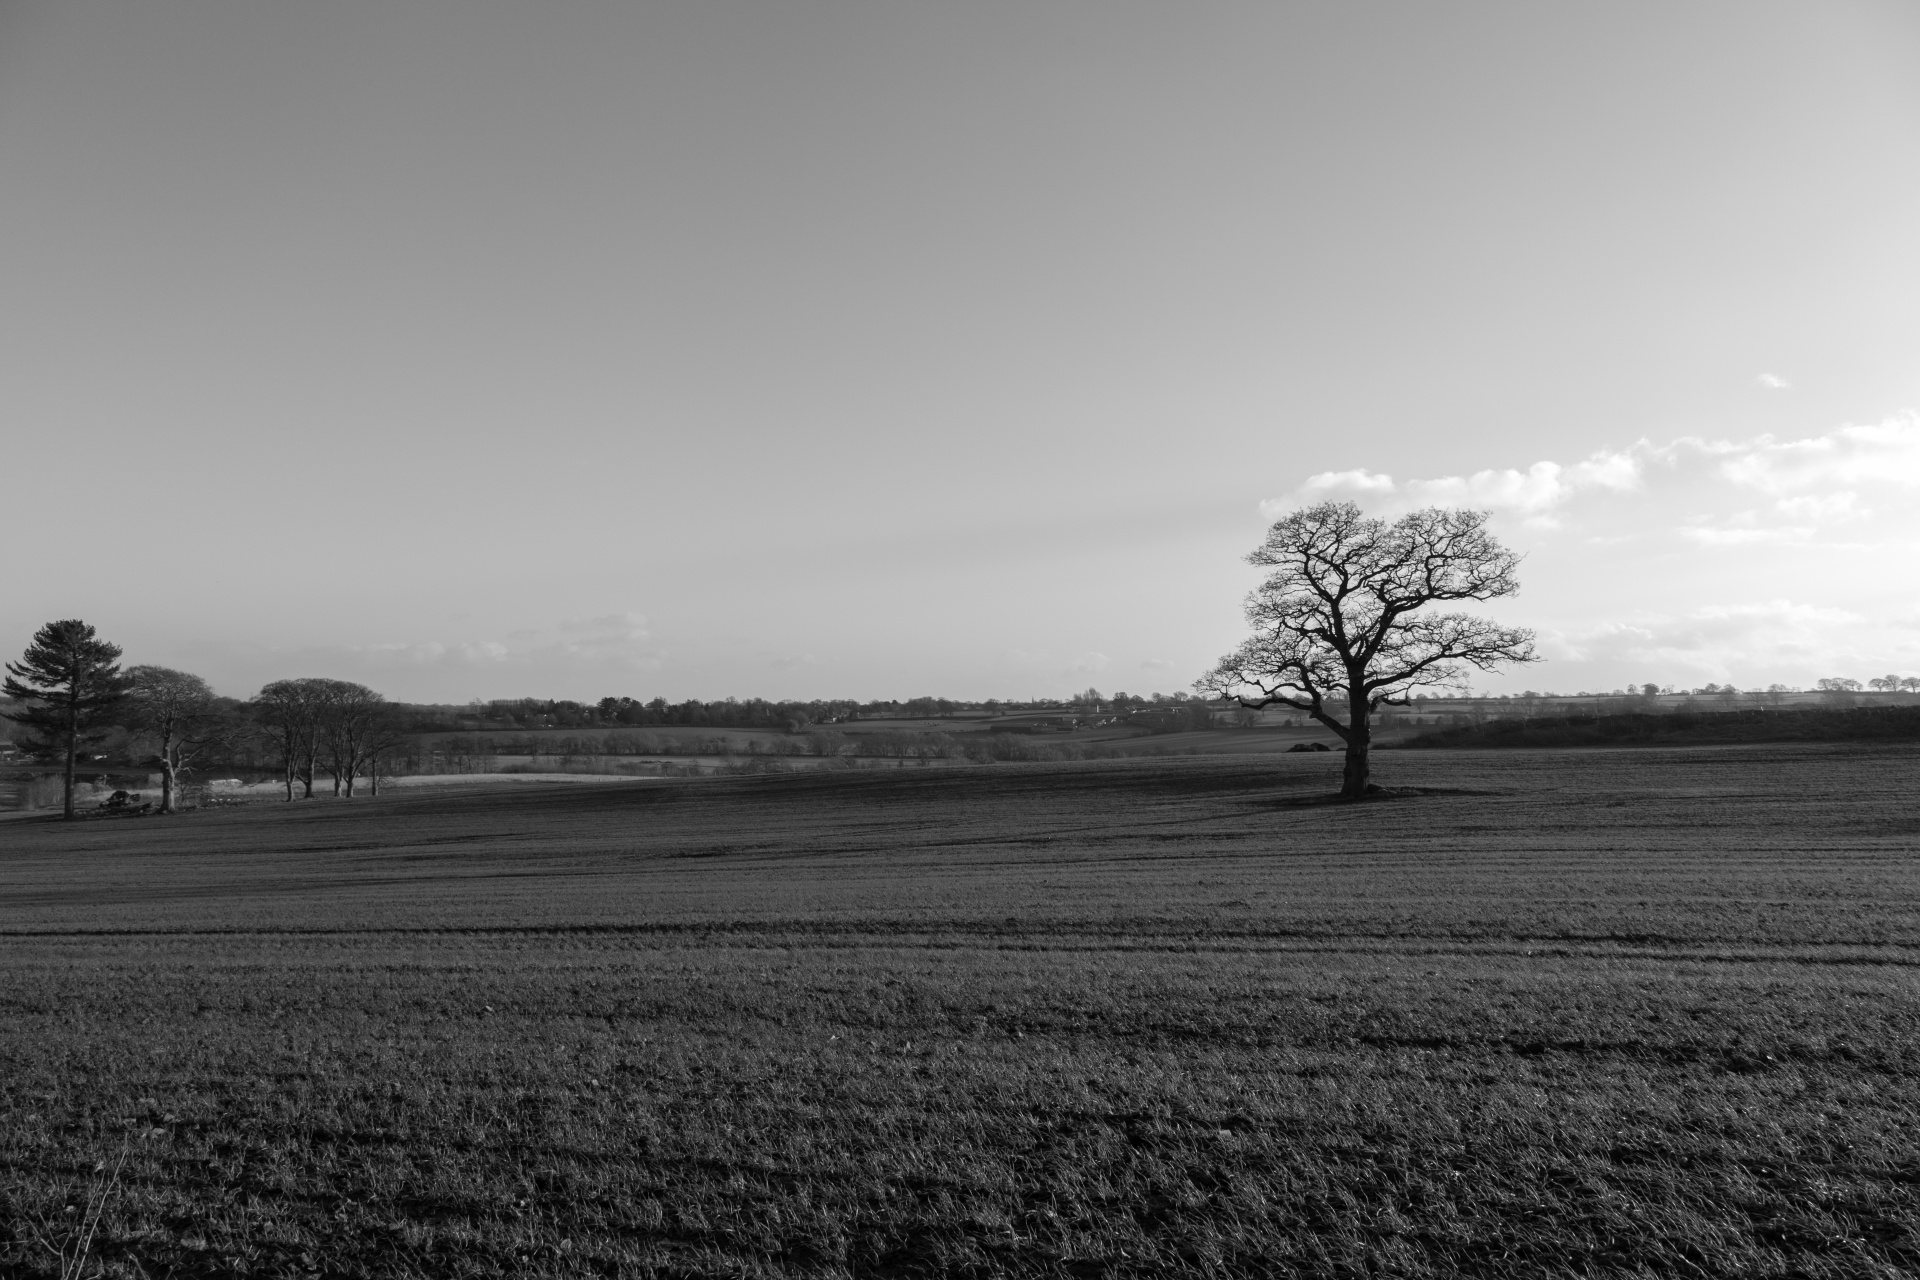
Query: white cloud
(1645, 562)
(1533, 494)
(1773, 382)
(1619, 472)
(1536, 489)
(1719, 642)
(1885, 453)
(1348, 483)
(631, 625)
(1087, 664)
(1830, 508)
(616, 640)
(1817, 481)
(617, 635)
(436, 653)
(1708, 535)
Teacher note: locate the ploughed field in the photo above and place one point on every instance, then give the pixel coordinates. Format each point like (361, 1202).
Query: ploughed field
(1571, 1013)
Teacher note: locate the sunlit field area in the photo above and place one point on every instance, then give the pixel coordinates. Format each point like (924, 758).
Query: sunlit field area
(1561, 1013)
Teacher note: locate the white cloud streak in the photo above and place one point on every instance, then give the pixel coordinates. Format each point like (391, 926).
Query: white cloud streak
(615, 640)
(1815, 481)
(1721, 642)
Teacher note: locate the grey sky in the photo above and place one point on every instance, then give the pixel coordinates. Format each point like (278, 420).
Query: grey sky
(890, 349)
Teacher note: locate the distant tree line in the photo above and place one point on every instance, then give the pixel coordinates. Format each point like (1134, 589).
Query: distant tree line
(74, 701)
(71, 694)
(593, 751)
(730, 713)
(748, 713)
(1880, 684)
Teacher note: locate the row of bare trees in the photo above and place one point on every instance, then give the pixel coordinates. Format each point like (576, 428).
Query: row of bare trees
(72, 692)
(1880, 684)
(315, 724)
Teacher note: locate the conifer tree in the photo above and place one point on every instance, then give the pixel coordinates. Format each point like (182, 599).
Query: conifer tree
(71, 684)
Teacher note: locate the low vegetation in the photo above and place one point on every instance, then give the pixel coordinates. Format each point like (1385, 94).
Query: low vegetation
(1560, 1014)
(1674, 728)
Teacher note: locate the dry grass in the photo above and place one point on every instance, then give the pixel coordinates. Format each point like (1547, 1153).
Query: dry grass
(1645, 1013)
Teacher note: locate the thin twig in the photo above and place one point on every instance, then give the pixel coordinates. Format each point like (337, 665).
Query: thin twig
(98, 1196)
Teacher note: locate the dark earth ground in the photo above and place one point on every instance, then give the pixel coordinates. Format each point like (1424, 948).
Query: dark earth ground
(1552, 1013)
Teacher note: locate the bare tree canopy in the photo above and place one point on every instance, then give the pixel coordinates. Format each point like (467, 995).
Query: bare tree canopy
(317, 723)
(384, 743)
(70, 682)
(179, 715)
(349, 714)
(1339, 628)
(290, 710)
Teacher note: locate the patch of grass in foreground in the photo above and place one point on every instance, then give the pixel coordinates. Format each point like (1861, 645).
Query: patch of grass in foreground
(1623, 1013)
(581, 1106)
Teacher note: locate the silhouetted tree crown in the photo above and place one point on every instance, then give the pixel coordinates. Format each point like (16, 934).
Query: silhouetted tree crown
(1340, 627)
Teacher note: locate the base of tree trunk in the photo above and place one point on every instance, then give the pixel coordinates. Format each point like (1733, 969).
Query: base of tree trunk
(1375, 792)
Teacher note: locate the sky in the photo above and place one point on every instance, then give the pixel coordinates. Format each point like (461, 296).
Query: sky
(815, 349)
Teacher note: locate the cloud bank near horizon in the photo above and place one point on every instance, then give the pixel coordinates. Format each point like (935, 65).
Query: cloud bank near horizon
(1748, 560)
(1794, 485)
(1753, 560)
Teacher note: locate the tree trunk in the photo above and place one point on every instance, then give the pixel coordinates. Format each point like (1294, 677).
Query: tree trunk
(166, 767)
(289, 779)
(73, 747)
(1353, 779)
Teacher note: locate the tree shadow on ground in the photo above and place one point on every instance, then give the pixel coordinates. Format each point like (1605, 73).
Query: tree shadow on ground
(1375, 793)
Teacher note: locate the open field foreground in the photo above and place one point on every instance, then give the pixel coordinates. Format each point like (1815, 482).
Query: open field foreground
(1639, 1012)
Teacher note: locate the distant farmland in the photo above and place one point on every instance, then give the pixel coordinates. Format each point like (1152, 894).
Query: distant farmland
(977, 739)
(1886, 723)
(1568, 1013)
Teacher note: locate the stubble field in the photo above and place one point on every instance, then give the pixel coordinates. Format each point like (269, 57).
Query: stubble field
(1572, 1013)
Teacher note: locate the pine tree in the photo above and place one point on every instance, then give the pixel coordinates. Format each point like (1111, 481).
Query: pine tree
(70, 683)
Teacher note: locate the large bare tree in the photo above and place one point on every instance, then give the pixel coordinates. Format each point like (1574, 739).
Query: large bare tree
(179, 716)
(1340, 628)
